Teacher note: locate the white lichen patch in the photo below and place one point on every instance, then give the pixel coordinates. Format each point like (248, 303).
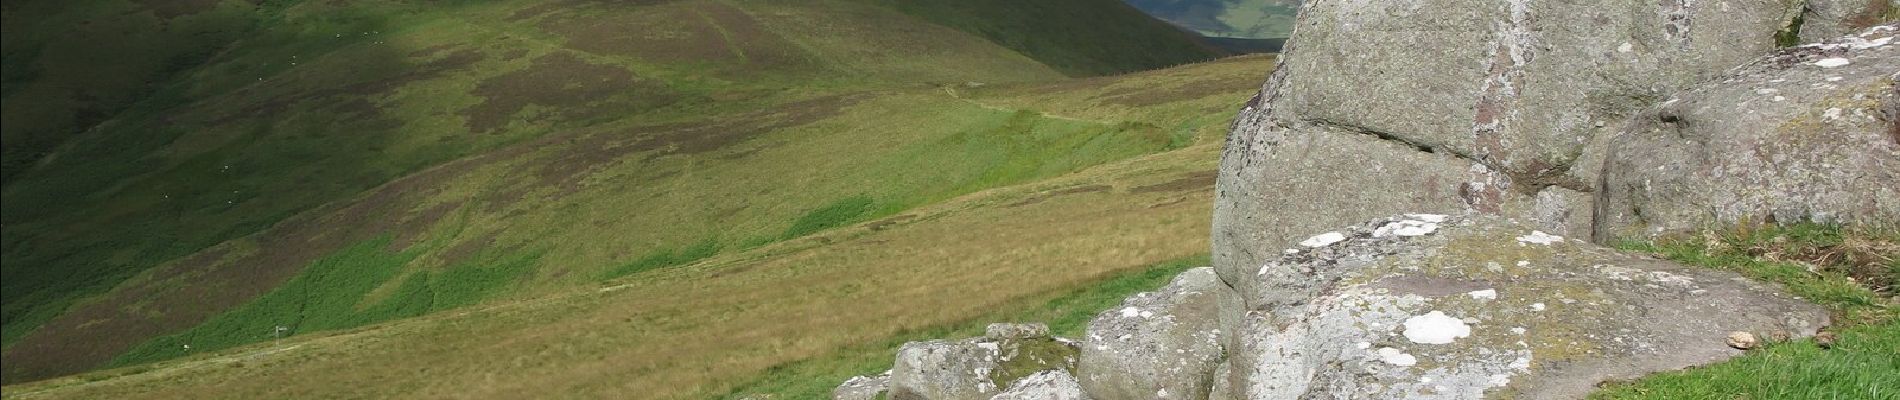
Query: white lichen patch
(1487, 294)
(1435, 328)
(1833, 62)
(1406, 228)
(1539, 237)
(1538, 307)
(1131, 312)
(1324, 239)
(1395, 357)
(1625, 47)
(1500, 380)
(1832, 113)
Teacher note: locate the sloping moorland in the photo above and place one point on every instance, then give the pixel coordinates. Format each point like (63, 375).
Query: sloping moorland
(326, 166)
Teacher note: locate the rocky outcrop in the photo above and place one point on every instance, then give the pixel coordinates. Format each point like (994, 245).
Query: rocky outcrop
(1417, 306)
(1810, 133)
(977, 368)
(862, 387)
(1158, 345)
(1466, 307)
(1828, 19)
(1503, 107)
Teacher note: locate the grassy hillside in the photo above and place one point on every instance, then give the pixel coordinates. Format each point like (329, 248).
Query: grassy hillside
(1068, 34)
(1250, 19)
(907, 257)
(250, 147)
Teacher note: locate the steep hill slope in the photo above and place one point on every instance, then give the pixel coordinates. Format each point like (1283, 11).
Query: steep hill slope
(708, 327)
(269, 174)
(1253, 19)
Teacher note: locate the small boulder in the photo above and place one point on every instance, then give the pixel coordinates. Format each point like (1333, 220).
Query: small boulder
(862, 387)
(977, 368)
(1053, 384)
(1742, 340)
(1008, 331)
(1158, 345)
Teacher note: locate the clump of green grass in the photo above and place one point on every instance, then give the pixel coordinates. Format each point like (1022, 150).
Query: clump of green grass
(331, 294)
(838, 213)
(1838, 268)
(666, 258)
(1067, 312)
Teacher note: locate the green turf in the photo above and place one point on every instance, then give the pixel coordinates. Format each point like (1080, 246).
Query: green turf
(333, 293)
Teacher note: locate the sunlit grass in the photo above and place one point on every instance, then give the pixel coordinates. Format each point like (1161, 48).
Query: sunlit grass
(1829, 265)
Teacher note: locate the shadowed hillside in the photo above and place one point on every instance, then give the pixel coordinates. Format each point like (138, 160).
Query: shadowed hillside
(326, 165)
(1247, 19)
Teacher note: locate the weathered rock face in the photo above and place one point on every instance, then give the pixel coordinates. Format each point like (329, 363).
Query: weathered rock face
(1828, 19)
(1046, 385)
(1809, 133)
(1380, 107)
(1464, 307)
(977, 368)
(1159, 345)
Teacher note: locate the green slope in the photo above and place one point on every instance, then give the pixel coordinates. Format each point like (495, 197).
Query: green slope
(743, 318)
(303, 129)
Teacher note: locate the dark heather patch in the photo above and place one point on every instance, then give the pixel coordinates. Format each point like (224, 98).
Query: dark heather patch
(566, 160)
(567, 87)
(1044, 196)
(667, 34)
(711, 34)
(1147, 96)
(514, 54)
(198, 287)
(168, 9)
(460, 252)
(1194, 181)
(457, 60)
(408, 234)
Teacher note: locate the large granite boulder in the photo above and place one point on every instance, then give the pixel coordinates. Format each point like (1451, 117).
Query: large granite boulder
(1157, 345)
(1810, 133)
(977, 368)
(1474, 306)
(1380, 107)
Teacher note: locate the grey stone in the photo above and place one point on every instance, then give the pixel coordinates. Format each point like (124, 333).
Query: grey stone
(1157, 345)
(974, 368)
(1046, 385)
(1789, 137)
(1015, 331)
(1483, 307)
(862, 387)
(1381, 107)
(1828, 19)
(944, 370)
